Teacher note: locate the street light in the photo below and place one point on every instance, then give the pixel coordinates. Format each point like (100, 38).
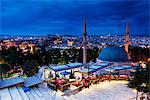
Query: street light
(143, 66)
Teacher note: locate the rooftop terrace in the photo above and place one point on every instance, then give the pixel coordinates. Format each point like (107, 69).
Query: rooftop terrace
(113, 90)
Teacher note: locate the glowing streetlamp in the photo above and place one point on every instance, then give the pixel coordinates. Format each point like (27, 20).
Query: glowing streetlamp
(143, 65)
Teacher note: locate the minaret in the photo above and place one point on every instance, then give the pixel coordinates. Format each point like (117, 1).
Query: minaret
(84, 44)
(127, 38)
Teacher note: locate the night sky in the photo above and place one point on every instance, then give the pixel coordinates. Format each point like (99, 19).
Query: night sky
(26, 17)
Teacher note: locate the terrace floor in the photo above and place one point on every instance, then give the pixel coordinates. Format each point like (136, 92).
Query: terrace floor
(113, 90)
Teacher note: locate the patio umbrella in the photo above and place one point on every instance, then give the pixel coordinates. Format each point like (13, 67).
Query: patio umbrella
(65, 73)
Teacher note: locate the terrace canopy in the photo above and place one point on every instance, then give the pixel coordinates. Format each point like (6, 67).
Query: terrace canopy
(65, 73)
(94, 68)
(66, 67)
(100, 66)
(86, 70)
(118, 68)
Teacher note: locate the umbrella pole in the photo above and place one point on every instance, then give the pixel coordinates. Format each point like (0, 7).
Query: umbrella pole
(55, 80)
(109, 76)
(88, 70)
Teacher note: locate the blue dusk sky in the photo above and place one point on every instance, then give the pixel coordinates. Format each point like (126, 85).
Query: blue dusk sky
(38, 17)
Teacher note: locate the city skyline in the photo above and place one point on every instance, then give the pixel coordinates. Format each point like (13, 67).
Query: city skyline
(26, 17)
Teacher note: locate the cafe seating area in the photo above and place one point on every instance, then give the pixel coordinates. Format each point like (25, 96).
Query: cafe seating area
(74, 77)
(81, 76)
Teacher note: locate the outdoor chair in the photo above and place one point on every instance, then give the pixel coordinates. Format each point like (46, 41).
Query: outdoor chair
(64, 87)
(52, 85)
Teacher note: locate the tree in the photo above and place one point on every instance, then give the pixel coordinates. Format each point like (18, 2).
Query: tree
(72, 54)
(10, 56)
(95, 53)
(65, 57)
(141, 80)
(56, 56)
(30, 68)
(4, 68)
(139, 54)
(89, 55)
(79, 55)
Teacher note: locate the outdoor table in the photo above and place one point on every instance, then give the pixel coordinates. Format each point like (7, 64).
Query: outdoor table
(76, 84)
(113, 77)
(123, 77)
(61, 84)
(116, 76)
(72, 80)
(95, 81)
(107, 76)
(86, 82)
(91, 78)
(58, 81)
(100, 76)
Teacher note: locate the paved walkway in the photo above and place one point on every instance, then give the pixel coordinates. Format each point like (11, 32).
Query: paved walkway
(114, 90)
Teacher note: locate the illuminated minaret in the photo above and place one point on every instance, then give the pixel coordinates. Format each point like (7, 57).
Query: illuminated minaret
(84, 44)
(127, 38)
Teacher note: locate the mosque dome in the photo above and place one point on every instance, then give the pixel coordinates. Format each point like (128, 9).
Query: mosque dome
(113, 54)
